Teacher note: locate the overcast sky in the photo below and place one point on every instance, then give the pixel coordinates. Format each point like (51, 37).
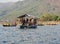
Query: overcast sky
(9, 0)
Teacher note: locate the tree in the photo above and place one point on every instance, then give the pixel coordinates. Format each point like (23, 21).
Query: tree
(46, 17)
(50, 17)
(54, 18)
(58, 19)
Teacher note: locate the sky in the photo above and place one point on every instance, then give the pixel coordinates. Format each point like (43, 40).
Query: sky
(10, 0)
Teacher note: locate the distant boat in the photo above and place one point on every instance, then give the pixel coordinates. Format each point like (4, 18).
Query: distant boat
(28, 19)
(9, 25)
(40, 24)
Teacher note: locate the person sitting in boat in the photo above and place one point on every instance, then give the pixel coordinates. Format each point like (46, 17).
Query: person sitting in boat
(31, 22)
(35, 21)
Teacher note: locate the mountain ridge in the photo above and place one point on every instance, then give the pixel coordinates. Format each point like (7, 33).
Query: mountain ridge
(33, 7)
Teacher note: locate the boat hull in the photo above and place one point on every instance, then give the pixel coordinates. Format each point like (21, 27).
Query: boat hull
(30, 27)
(9, 25)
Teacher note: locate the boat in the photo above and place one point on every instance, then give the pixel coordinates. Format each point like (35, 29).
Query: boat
(9, 25)
(51, 24)
(28, 21)
(28, 27)
(6, 25)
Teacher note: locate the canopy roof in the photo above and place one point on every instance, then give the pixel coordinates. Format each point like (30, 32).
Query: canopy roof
(27, 15)
(22, 16)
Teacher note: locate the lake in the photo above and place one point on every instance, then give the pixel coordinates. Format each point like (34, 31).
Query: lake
(41, 35)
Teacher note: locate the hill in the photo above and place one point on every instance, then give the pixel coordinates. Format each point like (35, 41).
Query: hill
(33, 7)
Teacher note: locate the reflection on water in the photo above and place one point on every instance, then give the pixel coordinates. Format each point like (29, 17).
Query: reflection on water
(41, 35)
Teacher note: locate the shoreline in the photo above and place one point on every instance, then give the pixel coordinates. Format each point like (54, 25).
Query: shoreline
(48, 22)
(39, 23)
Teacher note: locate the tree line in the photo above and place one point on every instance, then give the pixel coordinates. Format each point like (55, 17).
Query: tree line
(50, 17)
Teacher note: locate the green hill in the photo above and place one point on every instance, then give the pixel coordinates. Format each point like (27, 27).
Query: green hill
(32, 7)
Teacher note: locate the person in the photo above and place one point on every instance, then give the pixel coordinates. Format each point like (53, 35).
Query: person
(35, 21)
(24, 21)
(31, 22)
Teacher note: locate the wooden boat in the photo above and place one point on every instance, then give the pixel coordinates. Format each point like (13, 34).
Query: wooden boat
(9, 25)
(6, 25)
(51, 24)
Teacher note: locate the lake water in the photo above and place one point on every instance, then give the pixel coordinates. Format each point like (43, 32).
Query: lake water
(41, 35)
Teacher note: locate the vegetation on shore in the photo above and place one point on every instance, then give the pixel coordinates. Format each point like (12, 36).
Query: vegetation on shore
(50, 17)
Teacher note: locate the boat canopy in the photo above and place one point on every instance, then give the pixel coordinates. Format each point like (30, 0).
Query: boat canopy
(22, 16)
(27, 15)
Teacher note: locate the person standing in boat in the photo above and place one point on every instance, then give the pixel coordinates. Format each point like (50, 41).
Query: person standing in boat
(33, 22)
(25, 21)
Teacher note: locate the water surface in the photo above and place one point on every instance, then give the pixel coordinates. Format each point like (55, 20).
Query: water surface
(41, 35)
